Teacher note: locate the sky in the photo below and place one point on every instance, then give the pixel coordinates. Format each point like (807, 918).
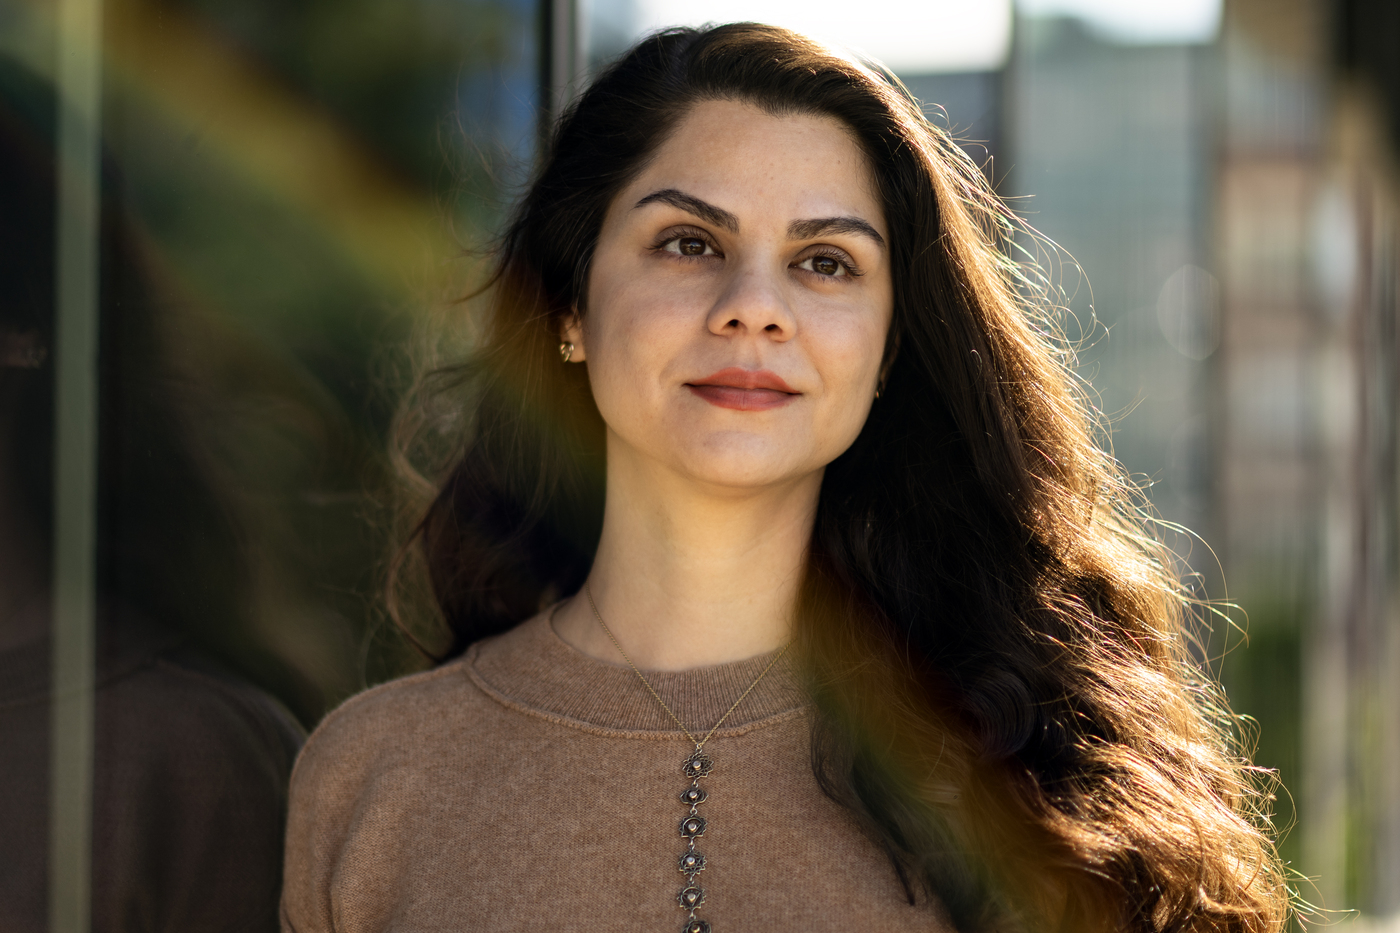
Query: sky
(928, 36)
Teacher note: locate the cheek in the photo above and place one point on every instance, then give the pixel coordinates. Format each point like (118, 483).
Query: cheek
(850, 350)
(630, 336)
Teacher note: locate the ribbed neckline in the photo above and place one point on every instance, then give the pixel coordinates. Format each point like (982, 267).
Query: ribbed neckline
(533, 667)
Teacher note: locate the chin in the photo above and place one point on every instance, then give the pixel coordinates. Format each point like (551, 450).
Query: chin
(741, 463)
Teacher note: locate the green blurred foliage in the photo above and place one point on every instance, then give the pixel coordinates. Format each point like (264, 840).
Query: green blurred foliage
(278, 343)
(1262, 673)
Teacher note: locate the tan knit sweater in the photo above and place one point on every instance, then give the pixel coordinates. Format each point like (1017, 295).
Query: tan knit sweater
(527, 786)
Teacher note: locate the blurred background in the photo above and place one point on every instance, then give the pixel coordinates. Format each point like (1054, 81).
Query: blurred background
(224, 220)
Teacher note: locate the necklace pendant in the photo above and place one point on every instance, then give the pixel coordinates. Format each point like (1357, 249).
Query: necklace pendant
(697, 765)
(690, 863)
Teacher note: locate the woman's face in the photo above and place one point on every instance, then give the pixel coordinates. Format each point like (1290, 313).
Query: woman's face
(739, 298)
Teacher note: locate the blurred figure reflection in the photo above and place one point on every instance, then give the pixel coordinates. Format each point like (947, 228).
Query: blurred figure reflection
(191, 761)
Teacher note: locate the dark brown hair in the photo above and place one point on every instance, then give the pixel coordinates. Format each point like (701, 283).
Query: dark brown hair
(996, 646)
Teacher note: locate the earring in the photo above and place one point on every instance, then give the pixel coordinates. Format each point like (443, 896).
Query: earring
(566, 351)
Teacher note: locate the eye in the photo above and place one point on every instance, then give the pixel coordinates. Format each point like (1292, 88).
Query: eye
(828, 266)
(688, 246)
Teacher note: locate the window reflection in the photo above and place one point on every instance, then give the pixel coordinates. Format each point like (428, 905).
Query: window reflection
(191, 761)
(285, 189)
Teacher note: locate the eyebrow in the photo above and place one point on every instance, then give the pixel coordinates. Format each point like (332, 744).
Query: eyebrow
(693, 205)
(807, 229)
(797, 230)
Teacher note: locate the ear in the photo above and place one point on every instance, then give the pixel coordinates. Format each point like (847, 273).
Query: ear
(891, 351)
(571, 331)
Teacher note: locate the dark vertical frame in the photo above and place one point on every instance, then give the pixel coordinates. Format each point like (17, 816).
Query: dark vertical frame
(75, 464)
(561, 59)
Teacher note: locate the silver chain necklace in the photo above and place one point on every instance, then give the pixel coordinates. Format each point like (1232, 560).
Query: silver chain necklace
(696, 766)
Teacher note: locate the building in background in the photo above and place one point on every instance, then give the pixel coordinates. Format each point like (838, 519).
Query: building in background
(1305, 417)
(1231, 200)
(1109, 154)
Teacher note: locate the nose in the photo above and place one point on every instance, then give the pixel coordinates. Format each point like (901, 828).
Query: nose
(753, 303)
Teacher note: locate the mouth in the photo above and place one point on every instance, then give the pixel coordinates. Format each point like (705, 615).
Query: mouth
(744, 389)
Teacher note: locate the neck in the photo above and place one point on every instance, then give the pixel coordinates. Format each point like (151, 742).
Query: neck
(689, 575)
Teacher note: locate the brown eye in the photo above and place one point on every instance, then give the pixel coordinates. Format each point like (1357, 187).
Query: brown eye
(689, 245)
(826, 266)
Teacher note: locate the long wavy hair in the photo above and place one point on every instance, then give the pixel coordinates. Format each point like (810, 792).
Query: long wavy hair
(995, 644)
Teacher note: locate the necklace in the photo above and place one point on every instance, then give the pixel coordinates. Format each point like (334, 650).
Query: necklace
(696, 766)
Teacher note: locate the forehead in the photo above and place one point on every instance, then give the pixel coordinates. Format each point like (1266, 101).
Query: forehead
(751, 162)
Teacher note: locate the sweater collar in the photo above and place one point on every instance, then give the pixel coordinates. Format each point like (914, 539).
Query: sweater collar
(531, 666)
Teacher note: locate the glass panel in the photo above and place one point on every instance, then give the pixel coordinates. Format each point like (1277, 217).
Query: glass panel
(287, 189)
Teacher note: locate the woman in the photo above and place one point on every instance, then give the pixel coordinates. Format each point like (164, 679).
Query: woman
(860, 631)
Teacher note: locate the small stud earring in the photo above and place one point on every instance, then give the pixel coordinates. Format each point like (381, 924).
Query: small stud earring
(566, 351)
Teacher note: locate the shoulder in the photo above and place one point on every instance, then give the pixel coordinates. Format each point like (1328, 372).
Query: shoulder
(405, 714)
(226, 704)
(370, 769)
(171, 704)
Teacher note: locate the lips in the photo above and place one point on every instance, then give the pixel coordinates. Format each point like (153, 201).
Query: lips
(744, 389)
